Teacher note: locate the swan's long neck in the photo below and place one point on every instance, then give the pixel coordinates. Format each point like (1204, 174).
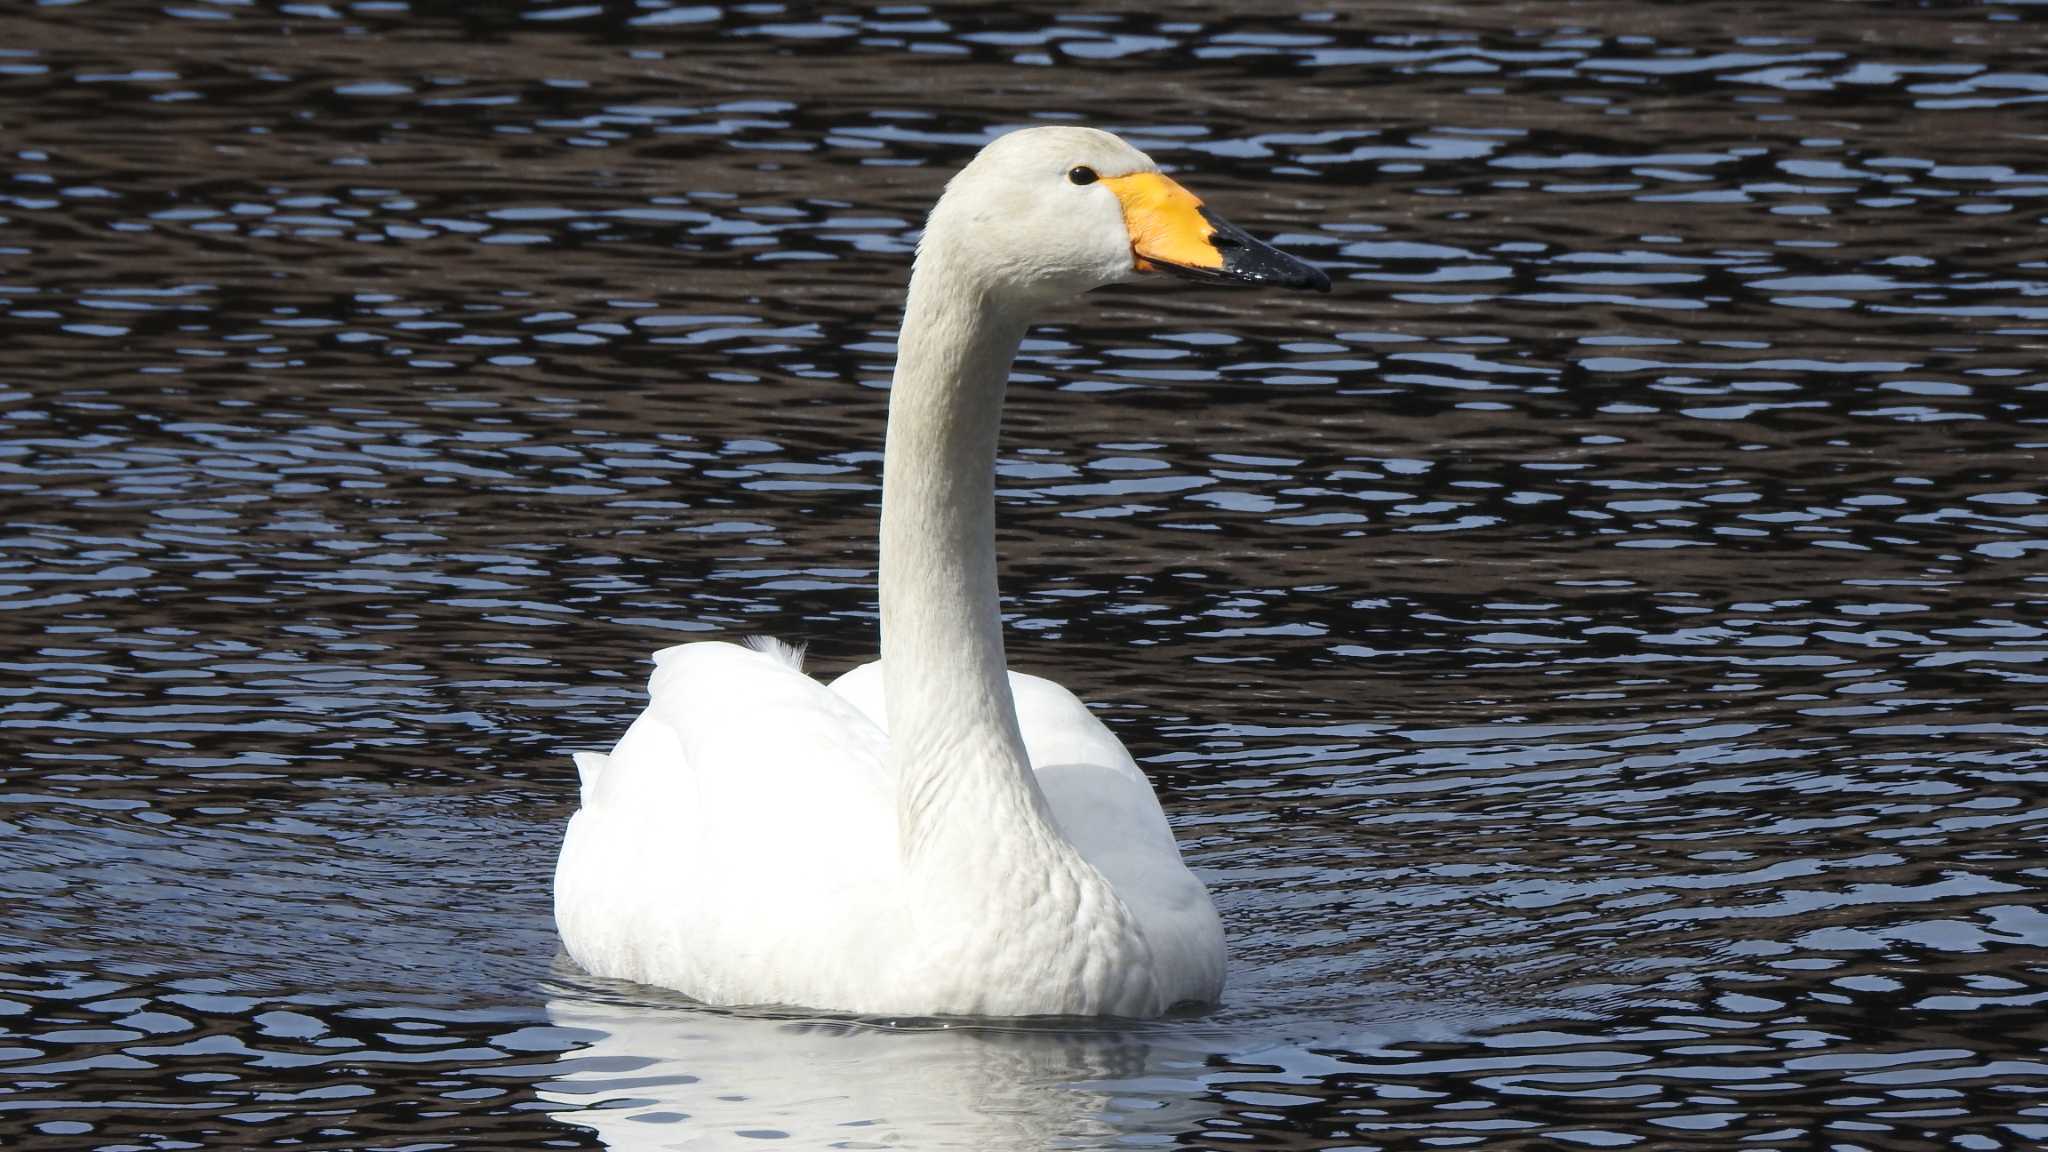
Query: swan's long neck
(953, 736)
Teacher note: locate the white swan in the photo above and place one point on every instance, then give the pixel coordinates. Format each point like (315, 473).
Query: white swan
(932, 834)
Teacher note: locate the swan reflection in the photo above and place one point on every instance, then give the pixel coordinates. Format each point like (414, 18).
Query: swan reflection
(670, 1074)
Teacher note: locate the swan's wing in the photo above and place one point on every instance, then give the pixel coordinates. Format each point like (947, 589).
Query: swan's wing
(730, 731)
(742, 816)
(763, 738)
(862, 688)
(1107, 810)
(1059, 729)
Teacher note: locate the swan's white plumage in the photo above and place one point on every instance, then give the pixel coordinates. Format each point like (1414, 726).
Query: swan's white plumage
(716, 844)
(931, 834)
(724, 882)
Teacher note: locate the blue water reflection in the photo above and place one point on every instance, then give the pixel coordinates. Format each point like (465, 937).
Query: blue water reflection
(1594, 654)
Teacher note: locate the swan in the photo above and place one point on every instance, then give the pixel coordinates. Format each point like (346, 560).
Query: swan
(931, 834)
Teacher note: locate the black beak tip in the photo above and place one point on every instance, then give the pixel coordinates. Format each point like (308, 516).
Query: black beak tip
(1272, 266)
(1251, 261)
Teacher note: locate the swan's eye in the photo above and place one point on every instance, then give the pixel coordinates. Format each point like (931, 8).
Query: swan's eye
(1081, 174)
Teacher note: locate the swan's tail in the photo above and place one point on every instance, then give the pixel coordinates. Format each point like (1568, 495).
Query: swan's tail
(783, 650)
(589, 766)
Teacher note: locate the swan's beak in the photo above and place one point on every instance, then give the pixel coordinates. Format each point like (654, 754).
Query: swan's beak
(1171, 229)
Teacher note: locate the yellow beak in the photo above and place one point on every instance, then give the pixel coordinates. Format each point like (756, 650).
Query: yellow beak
(1171, 230)
(1165, 222)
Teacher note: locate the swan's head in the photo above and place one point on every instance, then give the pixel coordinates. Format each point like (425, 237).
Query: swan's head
(1046, 213)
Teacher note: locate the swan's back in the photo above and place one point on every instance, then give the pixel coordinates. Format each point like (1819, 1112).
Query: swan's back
(742, 818)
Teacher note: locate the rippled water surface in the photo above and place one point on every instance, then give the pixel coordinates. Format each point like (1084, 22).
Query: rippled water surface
(1596, 655)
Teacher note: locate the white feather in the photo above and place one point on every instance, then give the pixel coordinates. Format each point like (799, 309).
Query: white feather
(783, 650)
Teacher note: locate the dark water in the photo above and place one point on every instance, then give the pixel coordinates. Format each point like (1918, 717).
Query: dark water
(1596, 655)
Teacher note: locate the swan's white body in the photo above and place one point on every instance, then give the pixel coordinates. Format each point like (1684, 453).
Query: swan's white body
(788, 878)
(931, 834)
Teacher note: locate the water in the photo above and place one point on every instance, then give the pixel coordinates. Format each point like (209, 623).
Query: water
(1595, 655)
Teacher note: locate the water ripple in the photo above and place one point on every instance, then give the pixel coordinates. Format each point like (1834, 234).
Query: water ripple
(1593, 655)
